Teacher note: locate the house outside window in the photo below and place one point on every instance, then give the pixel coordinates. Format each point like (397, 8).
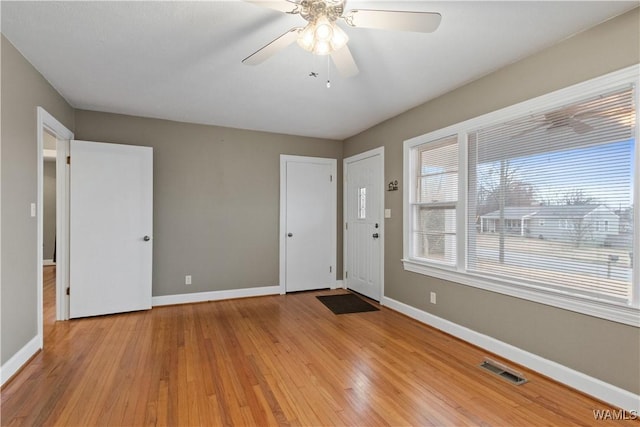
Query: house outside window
(547, 213)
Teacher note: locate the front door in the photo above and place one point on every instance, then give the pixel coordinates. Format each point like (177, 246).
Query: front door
(363, 194)
(110, 228)
(308, 223)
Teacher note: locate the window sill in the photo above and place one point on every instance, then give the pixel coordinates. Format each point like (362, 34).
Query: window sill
(619, 313)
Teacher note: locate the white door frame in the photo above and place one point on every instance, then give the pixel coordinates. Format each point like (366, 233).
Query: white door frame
(345, 171)
(284, 158)
(46, 122)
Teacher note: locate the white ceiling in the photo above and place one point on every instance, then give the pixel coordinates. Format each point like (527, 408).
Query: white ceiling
(182, 60)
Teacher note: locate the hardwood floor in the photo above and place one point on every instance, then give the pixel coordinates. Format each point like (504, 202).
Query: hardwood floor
(277, 360)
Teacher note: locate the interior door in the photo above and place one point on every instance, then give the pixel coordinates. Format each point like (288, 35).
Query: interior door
(364, 226)
(309, 230)
(110, 228)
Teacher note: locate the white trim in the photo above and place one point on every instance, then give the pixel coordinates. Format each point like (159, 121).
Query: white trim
(18, 360)
(635, 296)
(622, 313)
(62, 228)
(214, 295)
(48, 262)
(46, 121)
(49, 154)
(592, 386)
(382, 184)
(339, 285)
(40, 225)
(605, 310)
(1, 370)
(284, 159)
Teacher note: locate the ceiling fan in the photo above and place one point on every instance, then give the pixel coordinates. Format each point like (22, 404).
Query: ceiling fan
(322, 36)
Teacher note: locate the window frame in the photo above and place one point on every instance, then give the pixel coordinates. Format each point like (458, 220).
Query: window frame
(628, 314)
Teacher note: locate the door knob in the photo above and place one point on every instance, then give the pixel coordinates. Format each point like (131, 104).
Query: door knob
(146, 238)
(375, 235)
(290, 235)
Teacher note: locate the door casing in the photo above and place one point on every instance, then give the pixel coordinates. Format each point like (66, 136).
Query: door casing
(46, 122)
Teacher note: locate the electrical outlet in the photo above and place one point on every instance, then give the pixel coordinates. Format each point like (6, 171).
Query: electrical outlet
(187, 279)
(432, 297)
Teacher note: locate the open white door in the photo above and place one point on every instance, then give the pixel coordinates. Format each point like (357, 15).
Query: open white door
(307, 223)
(111, 207)
(364, 227)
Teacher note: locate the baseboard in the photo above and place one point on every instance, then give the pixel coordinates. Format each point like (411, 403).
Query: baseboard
(48, 262)
(214, 295)
(338, 285)
(18, 360)
(589, 385)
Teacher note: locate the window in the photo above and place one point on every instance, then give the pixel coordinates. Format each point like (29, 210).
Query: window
(433, 203)
(362, 203)
(547, 212)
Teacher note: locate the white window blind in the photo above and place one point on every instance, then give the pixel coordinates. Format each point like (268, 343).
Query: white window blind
(550, 198)
(433, 204)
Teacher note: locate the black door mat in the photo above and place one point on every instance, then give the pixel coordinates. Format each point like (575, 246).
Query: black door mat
(346, 303)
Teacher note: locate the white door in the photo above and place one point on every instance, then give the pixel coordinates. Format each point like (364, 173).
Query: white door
(364, 196)
(308, 223)
(110, 216)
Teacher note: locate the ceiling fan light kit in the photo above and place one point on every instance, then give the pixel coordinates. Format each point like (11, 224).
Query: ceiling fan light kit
(322, 37)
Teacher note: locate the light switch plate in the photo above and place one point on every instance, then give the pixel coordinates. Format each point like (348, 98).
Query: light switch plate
(33, 210)
(387, 213)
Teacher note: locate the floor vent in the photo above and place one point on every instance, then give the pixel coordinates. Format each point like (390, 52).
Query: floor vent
(503, 372)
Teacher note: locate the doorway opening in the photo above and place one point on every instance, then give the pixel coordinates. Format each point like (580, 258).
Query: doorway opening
(49, 228)
(52, 177)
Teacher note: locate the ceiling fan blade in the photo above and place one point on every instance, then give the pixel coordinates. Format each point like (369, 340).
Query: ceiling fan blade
(420, 22)
(529, 130)
(344, 62)
(279, 5)
(272, 48)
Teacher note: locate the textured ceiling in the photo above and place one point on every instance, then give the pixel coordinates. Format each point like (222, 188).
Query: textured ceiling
(182, 60)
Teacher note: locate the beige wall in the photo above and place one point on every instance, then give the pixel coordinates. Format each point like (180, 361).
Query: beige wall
(23, 89)
(216, 198)
(602, 349)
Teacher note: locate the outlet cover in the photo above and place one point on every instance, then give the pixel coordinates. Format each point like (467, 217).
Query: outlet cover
(187, 279)
(432, 297)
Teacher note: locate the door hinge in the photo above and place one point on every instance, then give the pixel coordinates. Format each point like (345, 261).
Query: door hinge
(330, 269)
(346, 274)
(68, 160)
(68, 291)
(330, 178)
(346, 225)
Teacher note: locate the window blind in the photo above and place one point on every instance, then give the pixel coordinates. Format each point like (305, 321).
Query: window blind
(550, 197)
(434, 201)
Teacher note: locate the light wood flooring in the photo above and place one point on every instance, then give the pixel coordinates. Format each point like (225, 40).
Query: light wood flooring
(276, 360)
